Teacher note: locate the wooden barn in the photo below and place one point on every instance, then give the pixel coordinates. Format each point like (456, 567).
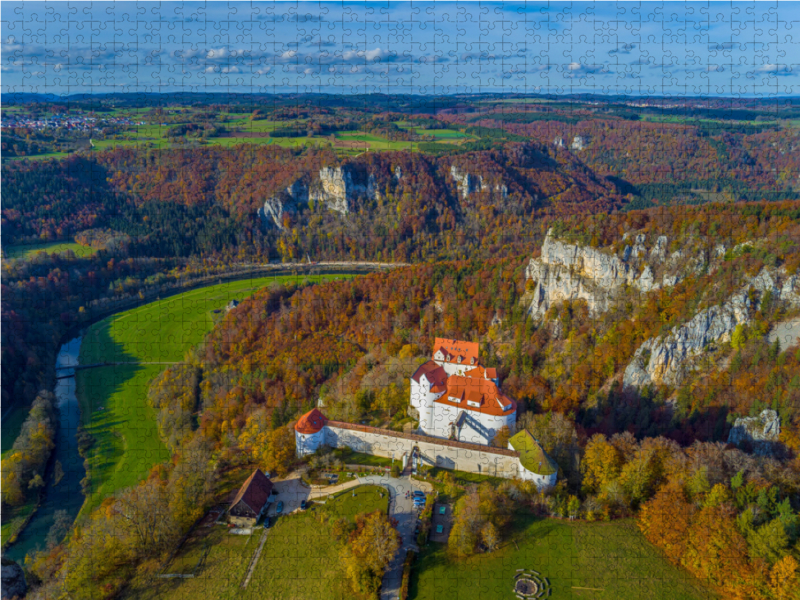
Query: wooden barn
(252, 500)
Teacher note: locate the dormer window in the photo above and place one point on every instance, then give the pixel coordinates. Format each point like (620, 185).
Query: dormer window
(472, 360)
(460, 359)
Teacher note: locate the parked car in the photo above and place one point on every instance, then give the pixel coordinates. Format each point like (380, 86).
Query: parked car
(419, 493)
(279, 508)
(303, 505)
(267, 523)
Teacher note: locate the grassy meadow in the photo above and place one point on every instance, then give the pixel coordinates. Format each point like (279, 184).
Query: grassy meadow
(29, 250)
(300, 559)
(596, 561)
(113, 399)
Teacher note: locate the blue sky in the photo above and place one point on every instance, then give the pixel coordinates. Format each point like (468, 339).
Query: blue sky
(665, 49)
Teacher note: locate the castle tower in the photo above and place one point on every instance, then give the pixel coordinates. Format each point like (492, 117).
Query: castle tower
(309, 433)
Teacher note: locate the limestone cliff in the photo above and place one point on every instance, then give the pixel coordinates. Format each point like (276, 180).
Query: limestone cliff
(667, 359)
(286, 201)
(762, 431)
(467, 184)
(338, 187)
(567, 271)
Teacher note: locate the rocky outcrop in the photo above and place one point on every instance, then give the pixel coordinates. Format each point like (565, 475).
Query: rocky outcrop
(579, 142)
(567, 272)
(13, 580)
(286, 201)
(335, 189)
(666, 360)
(467, 184)
(762, 431)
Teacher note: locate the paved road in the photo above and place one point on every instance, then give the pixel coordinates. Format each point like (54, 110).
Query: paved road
(292, 491)
(402, 509)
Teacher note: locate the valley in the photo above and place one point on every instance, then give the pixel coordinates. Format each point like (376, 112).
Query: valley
(624, 280)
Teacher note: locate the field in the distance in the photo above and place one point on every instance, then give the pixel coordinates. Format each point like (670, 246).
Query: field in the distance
(28, 250)
(300, 559)
(113, 399)
(597, 561)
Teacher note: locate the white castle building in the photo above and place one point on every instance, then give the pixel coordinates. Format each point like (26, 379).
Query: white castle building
(455, 397)
(460, 409)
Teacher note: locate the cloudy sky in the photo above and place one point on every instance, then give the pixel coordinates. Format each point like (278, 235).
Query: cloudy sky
(731, 49)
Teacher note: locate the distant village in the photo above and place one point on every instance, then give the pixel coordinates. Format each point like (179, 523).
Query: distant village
(77, 123)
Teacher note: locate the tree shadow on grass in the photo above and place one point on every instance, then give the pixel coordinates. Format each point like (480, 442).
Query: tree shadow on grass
(114, 411)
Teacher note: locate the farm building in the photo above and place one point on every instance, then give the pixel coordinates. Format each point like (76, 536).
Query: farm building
(251, 501)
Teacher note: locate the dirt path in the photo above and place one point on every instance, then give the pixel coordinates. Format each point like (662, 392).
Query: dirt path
(256, 556)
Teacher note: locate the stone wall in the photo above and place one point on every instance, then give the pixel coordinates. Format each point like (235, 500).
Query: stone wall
(460, 456)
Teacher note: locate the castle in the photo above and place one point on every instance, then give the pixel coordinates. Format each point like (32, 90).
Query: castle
(455, 397)
(460, 409)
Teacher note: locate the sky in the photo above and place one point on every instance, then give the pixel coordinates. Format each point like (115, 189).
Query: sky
(639, 49)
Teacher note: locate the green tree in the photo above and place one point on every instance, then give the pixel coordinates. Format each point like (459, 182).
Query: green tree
(769, 541)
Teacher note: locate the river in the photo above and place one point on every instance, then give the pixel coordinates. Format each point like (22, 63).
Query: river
(66, 494)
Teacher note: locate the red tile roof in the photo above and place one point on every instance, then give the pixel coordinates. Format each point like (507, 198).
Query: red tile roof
(456, 348)
(481, 391)
(491, 373)
(254, 492)
(476, 372)
(433, 372)
(311, 422)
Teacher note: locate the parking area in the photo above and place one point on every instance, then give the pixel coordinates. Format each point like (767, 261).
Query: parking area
(291, 491)
(442, 523)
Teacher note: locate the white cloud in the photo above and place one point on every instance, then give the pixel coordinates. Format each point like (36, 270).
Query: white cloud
(217, 53)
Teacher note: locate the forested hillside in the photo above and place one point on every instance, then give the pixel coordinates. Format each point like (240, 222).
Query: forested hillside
(632, 275)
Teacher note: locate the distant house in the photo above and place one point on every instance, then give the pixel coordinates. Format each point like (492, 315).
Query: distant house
(251, 501)
(231, 305)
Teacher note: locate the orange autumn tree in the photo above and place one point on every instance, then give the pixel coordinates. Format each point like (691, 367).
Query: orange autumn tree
(665, 520)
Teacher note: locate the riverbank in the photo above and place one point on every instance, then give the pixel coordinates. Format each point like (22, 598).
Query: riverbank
(114, 438)
(62, 497)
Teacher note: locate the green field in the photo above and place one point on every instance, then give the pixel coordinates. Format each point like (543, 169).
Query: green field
(374, 142)
(43, 156)
(28, 250)
(597, 561)
(113, 399)
(300, 559)
(442, 134)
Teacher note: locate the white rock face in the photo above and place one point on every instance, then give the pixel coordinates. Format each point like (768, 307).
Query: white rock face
(286, 201)
(465, 182)
(761, 431)
(570, 272)
(338, 187)
(334, 188)
(579, 142)
(666, 360)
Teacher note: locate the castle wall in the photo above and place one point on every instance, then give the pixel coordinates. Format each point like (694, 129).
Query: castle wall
(478, 428)
(460, 456)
